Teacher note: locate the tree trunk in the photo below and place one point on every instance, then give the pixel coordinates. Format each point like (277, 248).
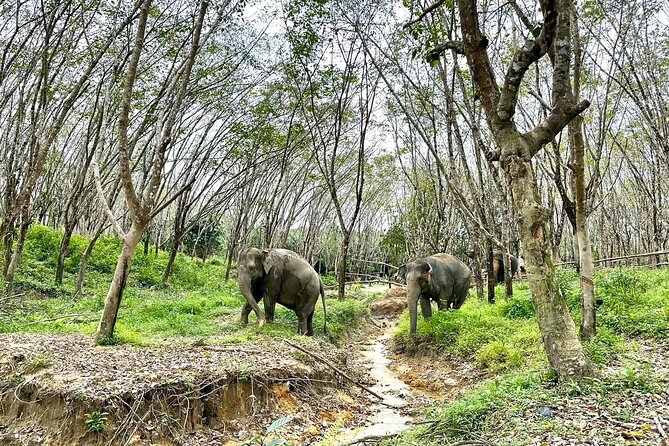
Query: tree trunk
(6, 231)
(588, 316)
(476, 262)
(85, 258)
(341, 273)
(16, 255)
(508, 275)
(64, 246)
(170, 262)
(564, 350)
(119, 281)
(492, 276)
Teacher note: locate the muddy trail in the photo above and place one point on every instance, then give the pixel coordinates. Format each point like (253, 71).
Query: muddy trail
(63, 389)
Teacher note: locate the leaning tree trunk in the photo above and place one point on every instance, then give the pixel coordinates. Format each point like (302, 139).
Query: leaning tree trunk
(85, 258)
(170, 263)
(64, 246)
(119, 281)
(565, 352)
(16, 255)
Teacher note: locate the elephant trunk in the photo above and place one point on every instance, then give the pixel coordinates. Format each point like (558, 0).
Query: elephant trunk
(245, 289)
(413, 293)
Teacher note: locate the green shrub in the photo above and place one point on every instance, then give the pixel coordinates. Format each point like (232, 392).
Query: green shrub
(498, 356)
(520, 307)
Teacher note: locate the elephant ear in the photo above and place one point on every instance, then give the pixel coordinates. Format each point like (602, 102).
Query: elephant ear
(267, 261)
(426, 274)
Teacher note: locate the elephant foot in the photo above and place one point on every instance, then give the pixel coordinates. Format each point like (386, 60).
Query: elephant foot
(261, 323)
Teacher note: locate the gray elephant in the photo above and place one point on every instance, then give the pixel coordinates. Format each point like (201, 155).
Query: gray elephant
(440, 277)
(279, 275)
(498, 266)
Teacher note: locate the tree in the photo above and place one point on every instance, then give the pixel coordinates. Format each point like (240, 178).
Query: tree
(515, 151)
(143, 208)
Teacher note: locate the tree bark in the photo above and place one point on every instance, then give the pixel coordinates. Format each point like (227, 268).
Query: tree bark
(16, 255)
(85, 258)
(492, 275)
(588, 315)
(565, 352)
(64, 246)
(119, 282)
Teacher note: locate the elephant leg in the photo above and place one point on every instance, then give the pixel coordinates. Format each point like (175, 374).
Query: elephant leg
(442, 304)
(245, 313)
(310, 324)
(269, 305)
(301, 324)
(425, 307)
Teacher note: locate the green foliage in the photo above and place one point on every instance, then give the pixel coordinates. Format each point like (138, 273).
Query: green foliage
(635, 302)
(196, 302)
(605, 346)
(480, 332)
(393, 244)
(261, 440)
(96, 421)
(469, 412)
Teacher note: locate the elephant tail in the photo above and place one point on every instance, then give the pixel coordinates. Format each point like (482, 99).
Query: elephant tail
(325, 313)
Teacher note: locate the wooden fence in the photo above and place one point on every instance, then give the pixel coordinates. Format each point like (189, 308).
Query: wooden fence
(630, 260)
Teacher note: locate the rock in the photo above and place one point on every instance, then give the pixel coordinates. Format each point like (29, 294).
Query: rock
(546, 412)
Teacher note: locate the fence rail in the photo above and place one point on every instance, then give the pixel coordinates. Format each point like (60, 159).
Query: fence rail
(626, 258)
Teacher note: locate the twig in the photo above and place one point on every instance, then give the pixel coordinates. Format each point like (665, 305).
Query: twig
(374, 438)
(229, 349)
(65, 316)
(658, 423)
(333, 367)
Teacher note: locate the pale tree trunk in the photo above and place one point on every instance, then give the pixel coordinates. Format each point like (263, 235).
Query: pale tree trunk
(64, 246)
(588, 316)
(85, 258)
(16, 255)
(565, 352)
(119, 281)
(341, 268)
(476, 262)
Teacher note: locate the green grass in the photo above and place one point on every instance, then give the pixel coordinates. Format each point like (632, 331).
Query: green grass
(504, 340)
(196, 303)
(498, 337)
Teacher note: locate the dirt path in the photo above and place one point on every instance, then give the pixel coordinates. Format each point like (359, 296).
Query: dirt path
(383, 420)
(408, 384)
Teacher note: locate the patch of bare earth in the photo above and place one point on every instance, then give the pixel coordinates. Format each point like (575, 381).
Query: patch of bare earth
(174, 395)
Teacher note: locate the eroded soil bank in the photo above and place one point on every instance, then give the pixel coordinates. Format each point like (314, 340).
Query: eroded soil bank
(58, 389)
(178, 394)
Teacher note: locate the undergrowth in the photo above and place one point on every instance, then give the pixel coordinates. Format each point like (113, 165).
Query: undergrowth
(504, 339)
(196, 302)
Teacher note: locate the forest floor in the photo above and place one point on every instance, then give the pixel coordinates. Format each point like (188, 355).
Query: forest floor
(62, 388)
(475, 376)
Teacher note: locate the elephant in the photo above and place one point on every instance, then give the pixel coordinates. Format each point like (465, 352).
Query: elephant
(498, 266)
(401, 274)
(279, 275)
(441, 277)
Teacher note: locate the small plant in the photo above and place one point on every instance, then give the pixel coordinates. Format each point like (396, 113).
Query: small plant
(109, 340)
(96, 421)
(37, 362)
(261, 440)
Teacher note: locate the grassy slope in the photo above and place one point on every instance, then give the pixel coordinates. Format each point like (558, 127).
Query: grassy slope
(197, 302)
(505, 340)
